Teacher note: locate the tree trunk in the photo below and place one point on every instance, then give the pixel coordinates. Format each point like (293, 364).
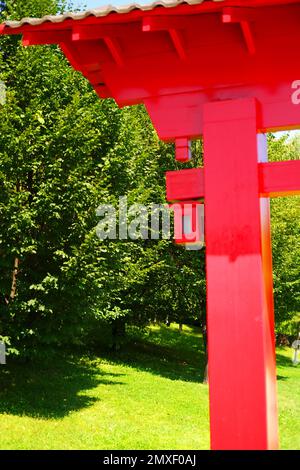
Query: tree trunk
(204, 335)
(15, 273)
(118, 333)
(180, 327)
(205, 378)
(13, 290)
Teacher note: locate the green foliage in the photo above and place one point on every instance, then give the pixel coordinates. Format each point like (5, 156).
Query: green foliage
(16, 9)
(63, 152)
(286, 245)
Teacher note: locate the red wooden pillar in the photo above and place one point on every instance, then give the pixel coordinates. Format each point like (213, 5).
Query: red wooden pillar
(242, 370)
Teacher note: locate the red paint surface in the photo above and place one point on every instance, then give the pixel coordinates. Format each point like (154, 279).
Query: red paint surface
(241, 342)
(280, 178)
(159, 58)
(185, 185)
(275, 179)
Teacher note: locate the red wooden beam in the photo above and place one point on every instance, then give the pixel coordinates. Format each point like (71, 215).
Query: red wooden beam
(71, 54)
(102, 90)
(241, 342)
(173, 25)
(179, 93)
(115, 50)
(178, 42)
(83, 32)
(185, 185)
(239, 14)
(243, 16)
(278, 179)
(183, 150)
(33, 38)
(95, 78)
(84, 55)
(161, 23)
(174, 115)
(248, 36)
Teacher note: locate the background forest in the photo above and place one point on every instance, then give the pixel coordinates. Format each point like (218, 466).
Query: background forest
(63, 152)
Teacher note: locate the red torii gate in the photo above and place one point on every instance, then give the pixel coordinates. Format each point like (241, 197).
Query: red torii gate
(222, 70)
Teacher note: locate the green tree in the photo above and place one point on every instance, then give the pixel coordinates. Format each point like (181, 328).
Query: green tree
(286, 244)
(55, 134)
(62, 153)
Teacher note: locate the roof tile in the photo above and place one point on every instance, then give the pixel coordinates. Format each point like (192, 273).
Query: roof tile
(101, 11)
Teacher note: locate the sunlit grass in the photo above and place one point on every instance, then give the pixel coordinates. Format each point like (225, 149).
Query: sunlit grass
(288, 384)
(148, 396)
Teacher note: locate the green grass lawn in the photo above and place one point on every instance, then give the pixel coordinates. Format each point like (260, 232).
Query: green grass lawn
(149, 397)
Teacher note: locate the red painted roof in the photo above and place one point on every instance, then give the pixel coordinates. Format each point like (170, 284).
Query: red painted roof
(175, 56)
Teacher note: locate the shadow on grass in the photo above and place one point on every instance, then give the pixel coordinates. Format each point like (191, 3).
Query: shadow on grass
(51, 391)
(281, 377)
(166, 352)
(283, 361)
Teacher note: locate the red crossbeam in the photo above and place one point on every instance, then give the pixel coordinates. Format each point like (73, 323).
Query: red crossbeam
(276, 179)
(279, 178)
(185, 185)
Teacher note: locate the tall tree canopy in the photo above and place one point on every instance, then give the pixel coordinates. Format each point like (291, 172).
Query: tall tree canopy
(63, 152)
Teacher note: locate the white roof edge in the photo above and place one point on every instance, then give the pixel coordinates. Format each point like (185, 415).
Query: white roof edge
(101, 11)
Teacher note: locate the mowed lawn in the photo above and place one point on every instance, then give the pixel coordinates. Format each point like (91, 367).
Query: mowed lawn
(149, 397)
